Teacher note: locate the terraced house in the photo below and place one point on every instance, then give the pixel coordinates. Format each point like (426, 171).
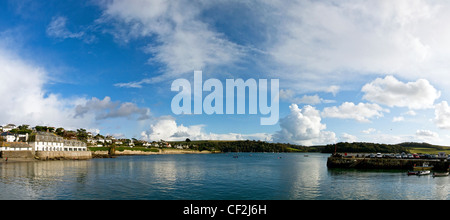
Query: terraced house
(46, 141)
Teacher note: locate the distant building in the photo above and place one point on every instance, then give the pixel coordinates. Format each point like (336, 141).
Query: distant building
(45, 141)
(74, 145)
(8, 136)
(9, 127)
(15, 146)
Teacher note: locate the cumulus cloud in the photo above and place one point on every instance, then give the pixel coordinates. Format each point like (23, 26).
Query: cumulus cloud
(26, 101)
(348, 110)
(401, 37)
(398, 119)
(369, 131)
(104, 109)
(392, 92)
(184, 42)
(442, 115)
(303, 126)
(348, 138)
(427, 135)
(166, 128)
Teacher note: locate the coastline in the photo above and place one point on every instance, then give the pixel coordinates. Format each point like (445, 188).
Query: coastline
(105, 154)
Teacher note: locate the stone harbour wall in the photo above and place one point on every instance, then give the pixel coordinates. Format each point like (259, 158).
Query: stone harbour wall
(63, 155)
(17, 154)
(383, 163)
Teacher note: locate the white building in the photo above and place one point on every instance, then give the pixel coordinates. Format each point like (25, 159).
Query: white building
(45, 141)
(9, 127)
(8, 136)
(15, 147)
(74, 145)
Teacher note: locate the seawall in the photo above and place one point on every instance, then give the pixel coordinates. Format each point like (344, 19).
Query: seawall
(23, 154)
(134, 152)
(384, 163)
(63, 155)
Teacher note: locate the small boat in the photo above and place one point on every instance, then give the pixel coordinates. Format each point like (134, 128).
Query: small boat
(306, 155)
(423, 172)
(425, 166)
(413, 173)
(440, 174)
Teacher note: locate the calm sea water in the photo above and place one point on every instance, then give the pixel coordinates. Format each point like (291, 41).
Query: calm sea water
(255, 176)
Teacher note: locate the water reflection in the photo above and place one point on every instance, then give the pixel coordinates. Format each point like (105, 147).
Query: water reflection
(33, 180)
(220, 176)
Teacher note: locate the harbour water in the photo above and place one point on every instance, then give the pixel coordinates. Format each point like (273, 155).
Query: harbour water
(249, 176)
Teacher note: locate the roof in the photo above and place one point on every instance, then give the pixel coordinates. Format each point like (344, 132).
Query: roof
(43, 133)
(7, 134)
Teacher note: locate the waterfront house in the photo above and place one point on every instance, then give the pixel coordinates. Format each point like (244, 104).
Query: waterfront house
(15, 146)
(8, 136)
(46, 141)
(74, 145)
(101, 140)
(9, 127)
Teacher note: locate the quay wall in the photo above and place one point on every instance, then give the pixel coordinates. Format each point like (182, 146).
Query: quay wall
(133, 152)
(17, 154)
(63, 155)
(384, 163)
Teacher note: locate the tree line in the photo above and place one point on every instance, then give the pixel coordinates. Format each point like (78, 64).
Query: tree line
(262, 146)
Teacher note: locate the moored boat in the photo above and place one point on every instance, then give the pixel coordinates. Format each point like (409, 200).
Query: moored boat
(425, 166)
(440, 174)
(423, 172)
(413, 172)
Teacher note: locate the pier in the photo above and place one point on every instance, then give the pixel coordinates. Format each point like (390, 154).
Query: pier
(384, 163)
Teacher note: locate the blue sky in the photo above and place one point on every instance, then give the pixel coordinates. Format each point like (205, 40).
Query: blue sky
(374, 71)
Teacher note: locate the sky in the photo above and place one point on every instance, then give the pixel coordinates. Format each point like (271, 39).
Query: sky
(348, 71)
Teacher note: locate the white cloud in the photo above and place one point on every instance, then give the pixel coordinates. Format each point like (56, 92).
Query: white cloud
(58, 29)
(303, 126)
(289, 96)
(411, 113)
(426, 133)
(442, 115)
(25, 99)
(391, 92)
(324, 42)
(106, 109)
(348, 138)
(348, 110)
(427, 136)
(369, 131)
(398, 119)
(166, 128)
(184, 42)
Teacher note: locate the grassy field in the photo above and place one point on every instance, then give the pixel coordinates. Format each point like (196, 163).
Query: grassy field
(428, 150)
